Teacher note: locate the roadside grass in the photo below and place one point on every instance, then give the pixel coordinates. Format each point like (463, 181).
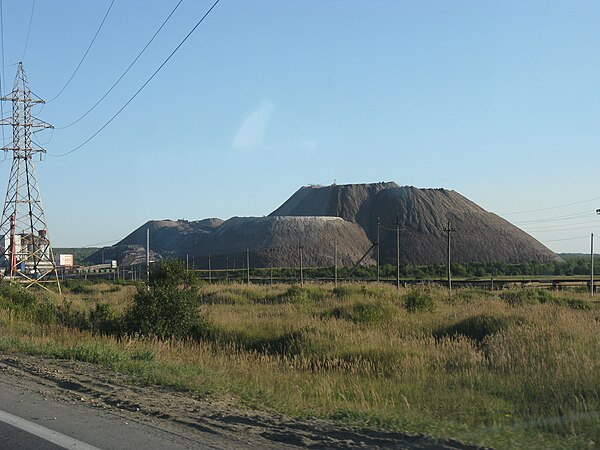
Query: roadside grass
(509, 370)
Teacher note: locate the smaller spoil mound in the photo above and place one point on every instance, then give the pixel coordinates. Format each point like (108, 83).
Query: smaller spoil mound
(168, 238)
(275, 241)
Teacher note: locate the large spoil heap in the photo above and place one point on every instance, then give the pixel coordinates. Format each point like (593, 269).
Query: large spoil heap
(422, 214)
(316, 218)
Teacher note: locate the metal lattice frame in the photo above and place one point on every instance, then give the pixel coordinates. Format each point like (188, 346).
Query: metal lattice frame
(27, 255)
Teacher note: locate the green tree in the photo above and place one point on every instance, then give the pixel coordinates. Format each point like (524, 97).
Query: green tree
(168, 307)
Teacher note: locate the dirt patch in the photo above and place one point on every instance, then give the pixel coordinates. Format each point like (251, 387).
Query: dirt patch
(70, 381)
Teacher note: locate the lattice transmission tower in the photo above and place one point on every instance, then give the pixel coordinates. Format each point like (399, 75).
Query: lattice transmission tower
(27, 256)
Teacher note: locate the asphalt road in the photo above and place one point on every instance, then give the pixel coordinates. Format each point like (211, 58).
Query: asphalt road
(47, 403)
(29, 420)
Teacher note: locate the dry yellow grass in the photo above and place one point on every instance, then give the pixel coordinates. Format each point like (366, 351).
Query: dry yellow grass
(474, 368)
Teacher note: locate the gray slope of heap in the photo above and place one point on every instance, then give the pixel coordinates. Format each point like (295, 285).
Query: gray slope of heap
(276, 240)
(168, 238)
(423, 214)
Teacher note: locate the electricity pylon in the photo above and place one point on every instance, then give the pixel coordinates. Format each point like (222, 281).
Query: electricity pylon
(26, 256)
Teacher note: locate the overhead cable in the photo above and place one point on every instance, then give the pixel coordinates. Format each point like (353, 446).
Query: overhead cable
(567, 239)
(559, 230)
(85, 54)
(141, 88)
(126, 70)
(556, 218)
(2, 82)
(558, 227)
(551, 207)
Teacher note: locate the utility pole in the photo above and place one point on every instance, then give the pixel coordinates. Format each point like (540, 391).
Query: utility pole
(271, 252)
(592, 266)
(227, 270)
(378, 242)
(117, 268)
(248, 266)
(592, 262)
(448, 231)
(28, 255)
(335, 262)
(209, 271)
(397, 251)
(187, 262)
(300, 247)
(148, 258)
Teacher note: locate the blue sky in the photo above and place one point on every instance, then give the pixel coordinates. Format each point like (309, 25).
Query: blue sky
(499, 101)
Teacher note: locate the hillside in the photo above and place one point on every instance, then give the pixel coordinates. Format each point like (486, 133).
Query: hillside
(276, 240)
(423, 214)
(169, 238)
(318, 216)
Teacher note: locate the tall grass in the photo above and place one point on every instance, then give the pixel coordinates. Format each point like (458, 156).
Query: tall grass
(516, 369)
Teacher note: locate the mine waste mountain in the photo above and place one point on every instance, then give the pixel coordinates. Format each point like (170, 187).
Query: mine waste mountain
(316, 219)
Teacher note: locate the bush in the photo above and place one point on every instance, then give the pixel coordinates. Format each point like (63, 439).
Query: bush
(79, 286)
(45, 313)
(526, 297)
(70, 317)
(418, 300)
(296, 295)
(368, 313)
(18, 296)
(169, 308)
(579, 303)
(103, 319)
(265, 340)
(478, 327)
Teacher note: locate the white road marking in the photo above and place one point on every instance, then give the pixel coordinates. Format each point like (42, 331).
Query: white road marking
(45, 433)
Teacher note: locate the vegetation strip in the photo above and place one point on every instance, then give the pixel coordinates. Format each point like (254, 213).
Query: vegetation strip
(504, 369)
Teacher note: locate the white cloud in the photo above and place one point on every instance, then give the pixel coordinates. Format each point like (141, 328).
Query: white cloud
(254, 127)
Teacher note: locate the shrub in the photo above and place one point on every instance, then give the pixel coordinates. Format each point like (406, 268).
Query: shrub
(103, 319)
(579, 303)
(526, 297)
(275, 342)
(79, 286)
(17, 295)
(296, 295)
(169, 308)
(70, 317)
(478, 327)
(45, 313)
(367, 313)
(419, 300)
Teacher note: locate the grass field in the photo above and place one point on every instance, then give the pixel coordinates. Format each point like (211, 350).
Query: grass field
(511, 369)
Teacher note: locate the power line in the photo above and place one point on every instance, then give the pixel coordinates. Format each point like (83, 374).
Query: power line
(141, 88)
(85, 54)
(558, 230)
(28, 30)
(126, 70)
(561, 226)
(567, 239)
(101, 243)
(551, 207)
(2, 82)
(556, 218)
(42, 144)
